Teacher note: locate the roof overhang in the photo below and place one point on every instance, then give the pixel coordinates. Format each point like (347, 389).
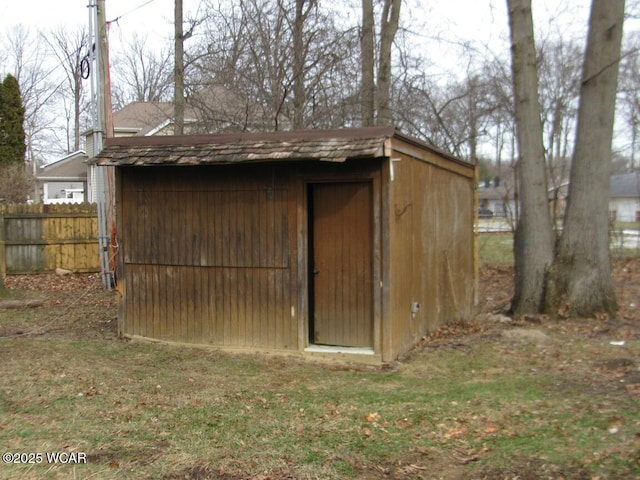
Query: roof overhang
(338, 145)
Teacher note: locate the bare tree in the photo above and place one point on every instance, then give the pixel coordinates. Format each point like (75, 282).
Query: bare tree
(178, 71)
(559, 64)
(580, 280)
(141, 74)
(629, 96)
(69, 48)
(389, 21)
(27, 60)
(376, 89)
(534, 237)
(303, 9)
(306, 64)
(368, 86)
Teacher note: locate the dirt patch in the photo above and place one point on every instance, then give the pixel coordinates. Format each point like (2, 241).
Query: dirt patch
(71, 306)
(526, 335)
(534, 469)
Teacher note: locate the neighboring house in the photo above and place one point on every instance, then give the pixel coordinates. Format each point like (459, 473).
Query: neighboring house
(624, 197)
(208, 111)
(355, 241)
(148, 118)
(63, 181)
(214, 109)
(496, 199)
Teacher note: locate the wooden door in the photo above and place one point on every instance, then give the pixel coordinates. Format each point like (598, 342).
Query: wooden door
(341, 249)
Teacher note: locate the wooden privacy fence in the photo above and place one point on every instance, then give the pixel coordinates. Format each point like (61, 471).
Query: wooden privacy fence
(39, 238)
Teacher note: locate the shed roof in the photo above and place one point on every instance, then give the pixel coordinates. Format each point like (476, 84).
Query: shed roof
(327, 145)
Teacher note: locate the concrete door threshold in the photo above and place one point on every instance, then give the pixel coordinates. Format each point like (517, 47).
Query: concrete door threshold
(337, 349)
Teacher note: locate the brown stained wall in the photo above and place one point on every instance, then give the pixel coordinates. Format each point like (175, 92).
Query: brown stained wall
(220, 255)
(431, 249)
(209, 256)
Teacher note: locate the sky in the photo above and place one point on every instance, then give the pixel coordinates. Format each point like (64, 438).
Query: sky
(462, 19)
(47, 13)
(154, 17)
(445, 23)
(438, 27)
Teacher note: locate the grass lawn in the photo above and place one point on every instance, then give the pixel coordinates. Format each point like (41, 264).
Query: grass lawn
(487, 400)
(468, 409)
(497, 248)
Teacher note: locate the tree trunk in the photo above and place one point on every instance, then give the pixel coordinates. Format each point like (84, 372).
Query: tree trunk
(178, 94)
(299, 57)
(580, 280)
(534, 237)
(388, 29)
(367, 88)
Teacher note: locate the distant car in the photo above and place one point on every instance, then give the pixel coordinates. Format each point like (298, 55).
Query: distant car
(485, 213)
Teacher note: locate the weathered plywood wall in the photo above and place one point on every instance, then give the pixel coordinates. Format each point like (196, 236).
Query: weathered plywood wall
(40, 238)
(432, 247)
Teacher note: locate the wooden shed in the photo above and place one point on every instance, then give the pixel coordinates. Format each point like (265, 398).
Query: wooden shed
(356, 241)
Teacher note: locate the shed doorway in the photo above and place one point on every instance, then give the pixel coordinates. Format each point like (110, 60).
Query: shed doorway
(341, 258)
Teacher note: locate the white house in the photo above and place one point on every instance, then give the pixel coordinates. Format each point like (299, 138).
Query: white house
(624, 197)
(496, 198)
(63, 181)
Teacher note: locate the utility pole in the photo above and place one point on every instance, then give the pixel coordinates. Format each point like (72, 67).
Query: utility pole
(178, 69)
(102, 128)
(103, 70)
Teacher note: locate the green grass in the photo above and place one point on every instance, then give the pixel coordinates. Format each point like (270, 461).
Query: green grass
(155, 411)
(496, 248)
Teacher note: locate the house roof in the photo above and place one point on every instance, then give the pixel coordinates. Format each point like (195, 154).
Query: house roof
(73, 167)
(214, 104)
(142, 118)
(495, 193)
(326, 145)
(625, 185)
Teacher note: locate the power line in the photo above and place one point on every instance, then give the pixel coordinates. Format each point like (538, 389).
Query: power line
(115, 20)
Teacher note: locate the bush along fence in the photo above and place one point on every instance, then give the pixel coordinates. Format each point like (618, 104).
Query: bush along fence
(39, 238)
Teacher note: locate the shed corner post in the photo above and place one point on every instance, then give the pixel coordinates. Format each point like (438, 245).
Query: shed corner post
(301, 284)
(387, 350)
(119, 274)
(476, 235)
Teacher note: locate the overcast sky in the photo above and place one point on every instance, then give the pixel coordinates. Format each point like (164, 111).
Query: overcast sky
(461, 19)
(133, 15)
(438, 26)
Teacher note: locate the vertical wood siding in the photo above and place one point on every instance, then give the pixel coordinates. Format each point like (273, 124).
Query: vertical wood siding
(219, 255)
(40, 238)
(208, 257)
(343, 252)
